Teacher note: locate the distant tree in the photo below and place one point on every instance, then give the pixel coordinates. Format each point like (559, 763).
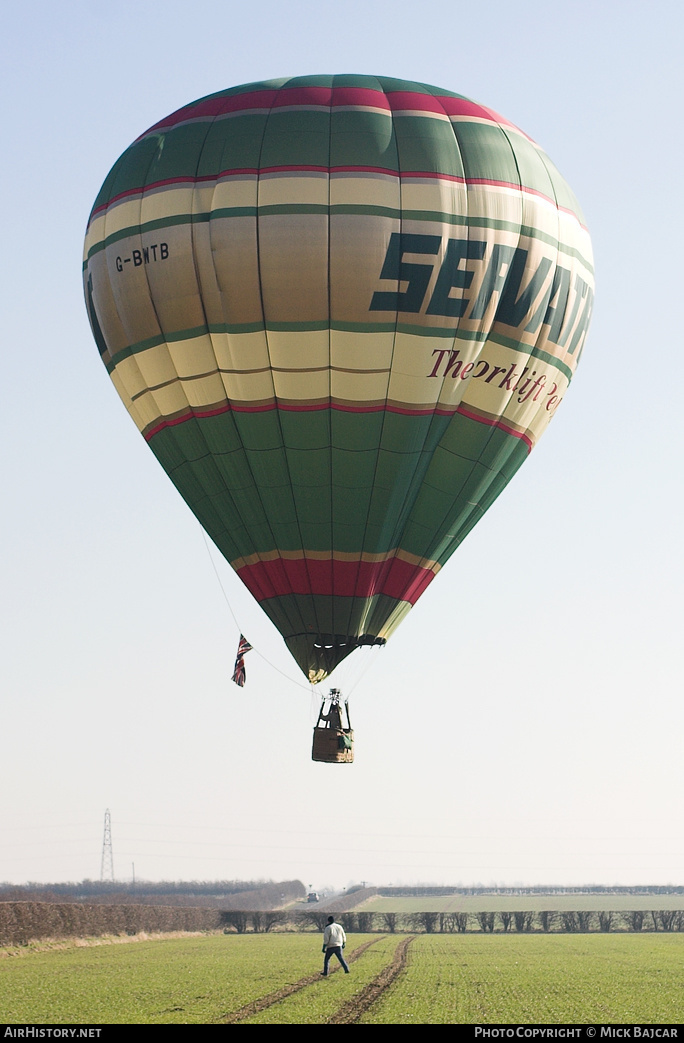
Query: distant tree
(257, 919)
(634, 919)
(584, 919)
(266, 921)
(390, 921)
(486, 921)
(273, 918)
(236, 918)
(547, 918)
(429, 921)
(424, 921)
(506, 920)
(523, 921)
(310, 918)
(605, 921)
(569, 922)
(461, 921)
(366, 922)
(349, 921)
(667, 919)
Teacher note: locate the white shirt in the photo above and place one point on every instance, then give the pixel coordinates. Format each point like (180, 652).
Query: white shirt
(334, 935)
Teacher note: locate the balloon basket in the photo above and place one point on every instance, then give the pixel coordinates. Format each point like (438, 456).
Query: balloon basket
(332, 742)
(330, 745)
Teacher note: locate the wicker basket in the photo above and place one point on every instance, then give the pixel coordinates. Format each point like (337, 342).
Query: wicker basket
(328, 746)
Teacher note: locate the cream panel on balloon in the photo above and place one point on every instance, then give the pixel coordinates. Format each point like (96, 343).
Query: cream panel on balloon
(305, 188)
(241, 355)
(362, 352)
(367, 189)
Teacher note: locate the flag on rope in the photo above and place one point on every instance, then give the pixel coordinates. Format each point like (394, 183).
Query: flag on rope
(239, 675)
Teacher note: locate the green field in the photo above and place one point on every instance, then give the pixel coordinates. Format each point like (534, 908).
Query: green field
(446, 979)
(487, 903)
(179, 980)
(548, 979)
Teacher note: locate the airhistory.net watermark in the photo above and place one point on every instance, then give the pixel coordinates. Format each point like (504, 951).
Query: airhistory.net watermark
(44, 1032)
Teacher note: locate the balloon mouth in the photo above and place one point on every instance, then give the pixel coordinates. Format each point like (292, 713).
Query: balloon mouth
(317, 655)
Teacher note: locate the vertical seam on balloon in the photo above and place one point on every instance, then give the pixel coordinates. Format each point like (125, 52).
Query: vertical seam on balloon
(533, 348)
(263, 594)
(483, 343)
(365, 624)
(211, 455)
(421, 468)
(540, 332)
(558, 250)
(477, 506)
(333, 613)
(149, 293)
(573, 260)
(266, 595)
(405, 513)
(503, 412)
(375, 611)
(171, 433)
(427, 558)
(113, 296)
(200, 427)
(445, 524)
(277, 410)
(134, 361)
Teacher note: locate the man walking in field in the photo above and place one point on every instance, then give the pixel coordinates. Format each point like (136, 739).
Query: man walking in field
(334, 941)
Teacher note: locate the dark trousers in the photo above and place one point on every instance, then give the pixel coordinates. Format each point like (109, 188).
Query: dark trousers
(334, 950)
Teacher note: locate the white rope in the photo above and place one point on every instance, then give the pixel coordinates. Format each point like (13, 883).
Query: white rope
(240, 629)
(360, 665)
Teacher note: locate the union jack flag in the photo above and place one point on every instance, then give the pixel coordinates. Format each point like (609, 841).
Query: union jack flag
(239, 674)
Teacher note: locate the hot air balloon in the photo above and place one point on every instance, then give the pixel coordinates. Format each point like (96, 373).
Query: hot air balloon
(341, 310)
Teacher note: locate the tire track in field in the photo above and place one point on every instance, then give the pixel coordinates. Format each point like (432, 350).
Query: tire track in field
(256, 1006)
(371, 993)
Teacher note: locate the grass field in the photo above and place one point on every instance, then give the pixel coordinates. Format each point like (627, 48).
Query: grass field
(274, 979)
(519, 903)
(554, 979)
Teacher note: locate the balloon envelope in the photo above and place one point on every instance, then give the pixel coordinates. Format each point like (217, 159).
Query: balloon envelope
(341, 310)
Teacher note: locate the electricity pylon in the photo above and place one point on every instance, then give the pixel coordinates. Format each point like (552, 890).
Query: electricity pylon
(107, 867)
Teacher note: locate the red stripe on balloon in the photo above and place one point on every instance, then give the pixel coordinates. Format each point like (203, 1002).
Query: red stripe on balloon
(313, 407)
(500, 423)
(327, 97)
(213, 107)
(363, 579)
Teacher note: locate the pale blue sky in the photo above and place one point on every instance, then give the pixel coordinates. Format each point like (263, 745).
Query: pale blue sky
(525, 723)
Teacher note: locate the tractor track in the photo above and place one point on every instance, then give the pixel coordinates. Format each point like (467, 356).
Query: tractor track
(371, 993)
(256, 1006)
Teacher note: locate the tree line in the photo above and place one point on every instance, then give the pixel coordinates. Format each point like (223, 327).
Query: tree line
(525, 921)
(21, 922)
(217, 894)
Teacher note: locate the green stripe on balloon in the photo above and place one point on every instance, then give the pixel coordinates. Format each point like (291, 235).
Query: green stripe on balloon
(282, 514)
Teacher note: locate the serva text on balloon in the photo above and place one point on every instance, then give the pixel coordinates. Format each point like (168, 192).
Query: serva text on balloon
(561, 302)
